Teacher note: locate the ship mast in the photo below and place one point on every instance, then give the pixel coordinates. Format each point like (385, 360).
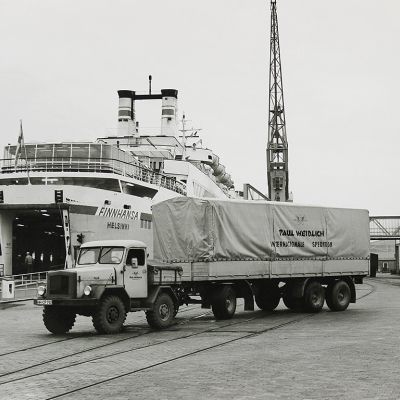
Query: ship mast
(277, 147)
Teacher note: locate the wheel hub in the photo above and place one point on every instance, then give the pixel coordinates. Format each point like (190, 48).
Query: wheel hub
(164, 311)
(112, 314)
(229, 304)
(315, 298)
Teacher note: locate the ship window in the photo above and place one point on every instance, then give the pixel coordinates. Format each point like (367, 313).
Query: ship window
(62, 151)
(145, 224)
(44, 151)
(19, 181)
(138, 190)
(97, 183)
(167, 112)
(80, 151)
(95, 151)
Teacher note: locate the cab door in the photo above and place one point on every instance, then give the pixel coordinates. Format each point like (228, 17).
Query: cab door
(135, 273)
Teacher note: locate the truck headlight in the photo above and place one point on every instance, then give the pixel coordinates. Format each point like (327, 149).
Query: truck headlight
(87, 290)
(41, 290)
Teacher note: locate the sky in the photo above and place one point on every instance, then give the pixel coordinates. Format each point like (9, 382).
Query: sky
(62, 62)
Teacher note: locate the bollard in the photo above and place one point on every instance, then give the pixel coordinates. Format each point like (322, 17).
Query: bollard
(7, 289)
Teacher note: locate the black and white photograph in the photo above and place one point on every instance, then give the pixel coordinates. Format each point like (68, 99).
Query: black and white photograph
(199, 200)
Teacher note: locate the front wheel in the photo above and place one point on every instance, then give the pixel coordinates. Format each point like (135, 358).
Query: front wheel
(58, 320)
(110, 315)
(163, 312)
(224, 302)
(338, 296)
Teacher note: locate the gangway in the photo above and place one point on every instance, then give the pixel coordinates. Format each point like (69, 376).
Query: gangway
(384, 227)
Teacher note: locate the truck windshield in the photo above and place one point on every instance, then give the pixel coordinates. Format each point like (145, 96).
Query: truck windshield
(101, 255)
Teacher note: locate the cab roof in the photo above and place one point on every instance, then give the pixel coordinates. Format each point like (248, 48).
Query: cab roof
(114, 243)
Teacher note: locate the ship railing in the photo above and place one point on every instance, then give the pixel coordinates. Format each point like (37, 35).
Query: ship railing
(100, 165)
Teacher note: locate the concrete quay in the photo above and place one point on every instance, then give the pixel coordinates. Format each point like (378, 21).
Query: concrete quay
(257, 355)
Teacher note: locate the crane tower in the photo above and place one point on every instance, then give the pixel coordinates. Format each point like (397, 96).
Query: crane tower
(277, 147)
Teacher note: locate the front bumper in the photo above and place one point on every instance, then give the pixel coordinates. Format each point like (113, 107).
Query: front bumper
(66, 302)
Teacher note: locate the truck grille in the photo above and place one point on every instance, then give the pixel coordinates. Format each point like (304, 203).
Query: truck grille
(61, 284)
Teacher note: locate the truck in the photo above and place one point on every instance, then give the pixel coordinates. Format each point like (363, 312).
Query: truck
(213, 252)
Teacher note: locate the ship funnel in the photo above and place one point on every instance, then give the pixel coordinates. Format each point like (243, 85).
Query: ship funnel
(126, 113)
(168, 112)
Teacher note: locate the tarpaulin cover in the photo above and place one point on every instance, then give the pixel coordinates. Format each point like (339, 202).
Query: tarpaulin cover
(192, 229)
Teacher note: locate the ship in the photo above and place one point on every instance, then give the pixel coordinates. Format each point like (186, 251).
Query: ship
(56, 196)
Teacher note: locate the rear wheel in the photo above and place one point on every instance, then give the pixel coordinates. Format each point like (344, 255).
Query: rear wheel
(314, 297)
(291, 302)
(224, 302)
(58, 320)
(338, 296)
(110, 315)
(163, 312)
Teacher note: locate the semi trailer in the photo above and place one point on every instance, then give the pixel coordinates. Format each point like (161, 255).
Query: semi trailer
(213, 252)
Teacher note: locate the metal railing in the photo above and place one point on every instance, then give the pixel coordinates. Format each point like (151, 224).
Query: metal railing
(29, 279)
(96, 165)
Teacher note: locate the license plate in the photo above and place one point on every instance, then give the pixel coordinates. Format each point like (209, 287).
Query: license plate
(44, 302)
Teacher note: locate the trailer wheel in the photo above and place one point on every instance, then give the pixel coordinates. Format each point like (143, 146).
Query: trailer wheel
(338, 296)
(163, 312)
(110, 315)
(314, 297)
(291, 302)
(58, 320)
(224, 303)
(268, 301)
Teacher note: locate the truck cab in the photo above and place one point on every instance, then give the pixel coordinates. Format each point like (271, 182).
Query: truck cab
(109, 279)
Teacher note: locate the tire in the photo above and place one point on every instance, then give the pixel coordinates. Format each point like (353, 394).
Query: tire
(110, 315)
(58, 320)
(291, 302)
(268, 298)
(314, 297)
(338, 296)
(163, 313)
(224, 302)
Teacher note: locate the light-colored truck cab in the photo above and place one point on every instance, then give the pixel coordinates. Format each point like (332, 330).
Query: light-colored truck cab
(110, 278)
(122, 263)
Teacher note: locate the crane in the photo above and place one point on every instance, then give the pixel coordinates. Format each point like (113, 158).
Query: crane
(277, 147)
